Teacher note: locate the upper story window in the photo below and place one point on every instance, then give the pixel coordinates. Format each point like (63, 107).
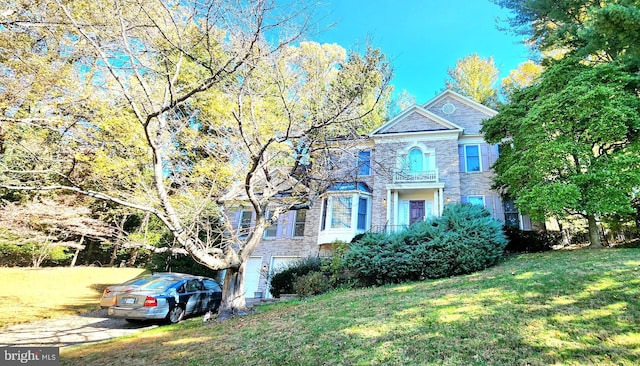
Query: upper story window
(245, 222)
(271, 231)
(298, 226)
(416, 160)
(472, 158)
(364, 163)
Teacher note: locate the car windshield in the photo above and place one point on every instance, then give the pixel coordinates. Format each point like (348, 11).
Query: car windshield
(157, 284)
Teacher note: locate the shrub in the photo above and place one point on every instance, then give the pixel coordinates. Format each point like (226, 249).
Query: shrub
(311, 284)
(32, 254)
(519, 241)
(464, 239)
(332, 265)
(14, 255)
(282, 281)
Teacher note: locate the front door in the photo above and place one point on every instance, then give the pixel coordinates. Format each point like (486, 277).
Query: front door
(416, 211)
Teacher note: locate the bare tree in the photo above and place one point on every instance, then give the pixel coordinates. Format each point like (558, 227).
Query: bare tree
(46, 225)
(167, 105)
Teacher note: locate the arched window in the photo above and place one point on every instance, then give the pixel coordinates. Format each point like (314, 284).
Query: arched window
(415, 160)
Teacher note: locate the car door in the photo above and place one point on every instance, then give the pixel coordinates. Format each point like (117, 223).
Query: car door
(193, 296)
(213, 294)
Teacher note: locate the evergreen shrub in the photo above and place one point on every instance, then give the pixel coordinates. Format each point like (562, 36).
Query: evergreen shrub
(464, 239)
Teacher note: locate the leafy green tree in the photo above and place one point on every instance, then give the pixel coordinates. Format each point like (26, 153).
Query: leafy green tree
(603, 30)
(475, 77)
(570, 142)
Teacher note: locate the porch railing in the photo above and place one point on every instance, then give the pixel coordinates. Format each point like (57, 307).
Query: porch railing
(406, 176)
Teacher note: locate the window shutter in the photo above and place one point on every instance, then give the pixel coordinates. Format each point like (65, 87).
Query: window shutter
(461, 158)
(489, 205)
(236, 218)
(289, 225)
(494, 152)
(484, 157)
(281, 226)
(526, 223)
(499, 213)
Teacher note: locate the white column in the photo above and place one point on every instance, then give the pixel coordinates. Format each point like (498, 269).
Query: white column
(354, 212)
(396, 207)
(388, 217)
(440, 201)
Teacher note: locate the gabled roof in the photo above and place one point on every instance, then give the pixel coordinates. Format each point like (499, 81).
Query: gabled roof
(461, 98)
(285, 186)
(429, 123)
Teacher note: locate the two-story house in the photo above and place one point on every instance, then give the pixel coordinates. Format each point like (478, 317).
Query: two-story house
(406, 171)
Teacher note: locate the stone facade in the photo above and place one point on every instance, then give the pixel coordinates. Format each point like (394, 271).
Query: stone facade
(424, 143)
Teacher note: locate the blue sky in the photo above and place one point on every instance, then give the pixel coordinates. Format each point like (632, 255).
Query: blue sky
(422, 38)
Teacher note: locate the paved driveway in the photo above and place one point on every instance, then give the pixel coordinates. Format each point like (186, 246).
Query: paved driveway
(68, 331)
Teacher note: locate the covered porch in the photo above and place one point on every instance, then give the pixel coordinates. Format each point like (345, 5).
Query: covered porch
(408, 204)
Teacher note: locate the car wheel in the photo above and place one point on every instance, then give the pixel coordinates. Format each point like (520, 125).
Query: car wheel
(175, 314)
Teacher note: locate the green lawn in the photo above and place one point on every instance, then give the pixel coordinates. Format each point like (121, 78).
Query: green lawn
(30, 294)
(560, 308)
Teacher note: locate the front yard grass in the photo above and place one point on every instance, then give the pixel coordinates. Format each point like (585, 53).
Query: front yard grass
(30, 294)
(558, 308)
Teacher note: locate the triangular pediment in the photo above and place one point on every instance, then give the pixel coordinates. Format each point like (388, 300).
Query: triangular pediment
(416, 119)
(449, 96)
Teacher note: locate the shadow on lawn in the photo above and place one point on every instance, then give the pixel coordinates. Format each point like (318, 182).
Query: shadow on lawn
(581, 309)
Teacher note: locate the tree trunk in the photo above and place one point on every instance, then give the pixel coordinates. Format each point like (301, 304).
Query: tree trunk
(233, 293)
(116, 245)
(594, 235)
(133, 256)
(75, 255)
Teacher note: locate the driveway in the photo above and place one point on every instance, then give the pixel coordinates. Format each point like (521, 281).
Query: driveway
(68, 331)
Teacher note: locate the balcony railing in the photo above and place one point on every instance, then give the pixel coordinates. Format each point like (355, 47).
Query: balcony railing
(418, 176)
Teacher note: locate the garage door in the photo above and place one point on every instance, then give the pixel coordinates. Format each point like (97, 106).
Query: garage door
(279, 263)
(252, 276)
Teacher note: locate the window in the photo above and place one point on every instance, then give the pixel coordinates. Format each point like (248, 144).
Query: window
(298, 226)
(271, 231)
(415, 161)
(511, 215)
(472, 158)
(476, 200)
(341, 212)
(363, 204)
(245, 222)
(364, 163)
